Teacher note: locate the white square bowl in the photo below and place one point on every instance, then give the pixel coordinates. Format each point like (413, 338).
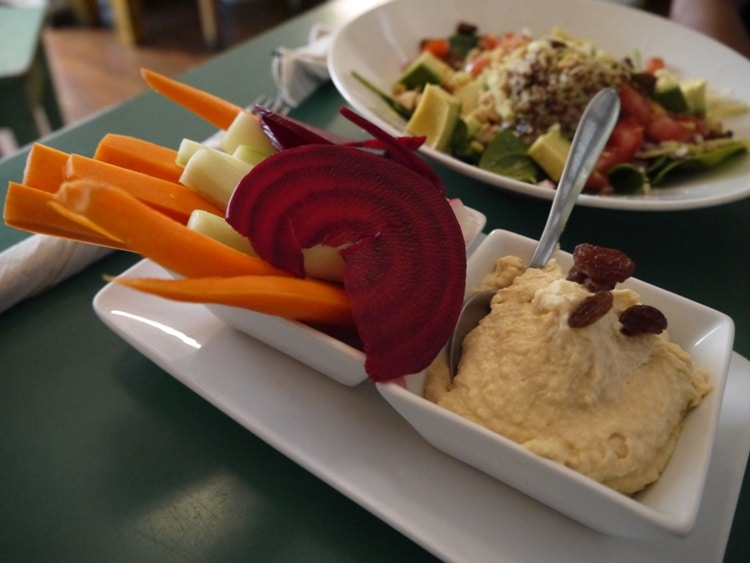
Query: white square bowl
(667, 507)
(328, 355)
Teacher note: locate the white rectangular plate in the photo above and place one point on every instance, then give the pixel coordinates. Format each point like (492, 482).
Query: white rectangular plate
(451, 509)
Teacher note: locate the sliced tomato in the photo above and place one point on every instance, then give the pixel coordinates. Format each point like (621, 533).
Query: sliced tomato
(488, 42)
(634, 104)
(664, 127)
(626, 138)
(596, 182)
(697, 124)
(623, 143)
(653, 64)
(511, 40)
(476, 66)
(438, 47)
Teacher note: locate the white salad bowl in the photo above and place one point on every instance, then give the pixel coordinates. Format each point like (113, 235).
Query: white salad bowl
(322, 352)
(667, 507)
(379, 43)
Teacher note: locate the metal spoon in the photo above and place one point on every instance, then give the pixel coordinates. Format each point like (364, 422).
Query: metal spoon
(592, 133)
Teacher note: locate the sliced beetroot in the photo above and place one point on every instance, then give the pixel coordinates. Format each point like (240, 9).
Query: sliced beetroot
(285, 132)
(396, 149)
(411, 143)
(405, 263)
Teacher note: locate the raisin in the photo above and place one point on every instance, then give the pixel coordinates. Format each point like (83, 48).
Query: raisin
(576, 276)
(642, 319)
(602, 267)
(583, 279)
(591, 309)
(597, 285)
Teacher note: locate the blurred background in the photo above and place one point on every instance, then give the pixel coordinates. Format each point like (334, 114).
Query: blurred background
(95, 48)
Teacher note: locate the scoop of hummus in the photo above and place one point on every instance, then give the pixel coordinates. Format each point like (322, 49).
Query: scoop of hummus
(607, 405)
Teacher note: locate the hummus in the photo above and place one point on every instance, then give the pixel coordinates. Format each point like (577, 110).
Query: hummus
(607, 405)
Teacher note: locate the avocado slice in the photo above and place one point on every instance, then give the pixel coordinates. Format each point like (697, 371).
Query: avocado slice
(668, 93)
(671, 98)
(435, 117)
(469, 96)
(550, 151)
(695, 94)
(683, 96)
(425, 69)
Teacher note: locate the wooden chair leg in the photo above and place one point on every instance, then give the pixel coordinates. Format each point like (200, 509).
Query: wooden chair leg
(48, 94)
(209, 23)
(128, 18)
(17, 113)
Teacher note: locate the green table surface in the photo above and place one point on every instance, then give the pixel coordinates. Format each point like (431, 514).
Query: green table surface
(92, 433)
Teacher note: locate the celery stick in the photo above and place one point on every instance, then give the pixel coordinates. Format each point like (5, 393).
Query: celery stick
(249, 154)
(218, 229)
(214, 174)
(186, 150)
(246, 130)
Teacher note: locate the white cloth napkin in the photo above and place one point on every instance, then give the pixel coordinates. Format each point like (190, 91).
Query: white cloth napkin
(40, 262)
(299, 72)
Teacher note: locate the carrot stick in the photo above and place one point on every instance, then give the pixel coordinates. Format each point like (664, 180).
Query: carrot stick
(302, 299)
(215, 110)
(153, 235)
(139, 155)
(28, 209)
(170, 198)
(44, 167)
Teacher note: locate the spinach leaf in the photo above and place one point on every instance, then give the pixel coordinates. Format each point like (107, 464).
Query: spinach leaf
(699, 161)
(462, 43)
(627, 179)
(462, 146)
(400, 109)
(507, 155)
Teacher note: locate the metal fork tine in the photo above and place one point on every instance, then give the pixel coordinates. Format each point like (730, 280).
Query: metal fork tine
(279, 106)
(261, 100)
(276, 104)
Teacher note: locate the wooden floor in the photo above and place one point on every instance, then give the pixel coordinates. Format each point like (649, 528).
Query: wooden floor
(92, 70)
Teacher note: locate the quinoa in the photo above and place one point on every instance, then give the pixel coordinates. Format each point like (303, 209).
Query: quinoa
(546, 81)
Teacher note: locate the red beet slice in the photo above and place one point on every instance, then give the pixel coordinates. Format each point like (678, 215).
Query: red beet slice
(411, 143)
(406, 264)
(396, 149)
(285, 132)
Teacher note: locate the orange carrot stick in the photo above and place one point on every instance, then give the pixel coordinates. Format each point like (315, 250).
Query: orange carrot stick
(153, 235)
(170, 198)
(44, 167)
(28, 209)
(217, 111)
(302, 299)
(139, 155)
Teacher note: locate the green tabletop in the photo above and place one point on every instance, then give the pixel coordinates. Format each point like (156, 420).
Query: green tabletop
(106, 457)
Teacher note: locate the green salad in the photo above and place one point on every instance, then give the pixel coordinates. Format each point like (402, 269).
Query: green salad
(510, 103)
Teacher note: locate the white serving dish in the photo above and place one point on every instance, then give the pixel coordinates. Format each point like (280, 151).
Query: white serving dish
(326, 354)
(379, 43)
(669, 505)
(355, 442)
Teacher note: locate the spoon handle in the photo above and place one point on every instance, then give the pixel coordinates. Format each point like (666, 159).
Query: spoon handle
(594, 129)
